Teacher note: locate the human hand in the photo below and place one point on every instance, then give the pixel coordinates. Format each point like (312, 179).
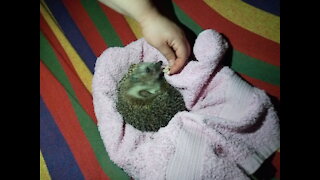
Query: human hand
(168, 38)
(157, 30)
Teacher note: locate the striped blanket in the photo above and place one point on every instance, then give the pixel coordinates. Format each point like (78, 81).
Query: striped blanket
(73, 33)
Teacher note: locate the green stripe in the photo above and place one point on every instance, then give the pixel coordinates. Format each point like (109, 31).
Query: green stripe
(48, 57)
(92, 133)
(255, 68)
(90, 129)
(241, 63)
(102, 23)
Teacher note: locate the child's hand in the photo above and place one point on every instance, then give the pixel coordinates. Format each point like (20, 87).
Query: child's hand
(157, 30)
(168, 38)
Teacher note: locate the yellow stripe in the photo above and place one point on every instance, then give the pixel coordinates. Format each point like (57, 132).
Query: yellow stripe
(44, 173)
(79, 65)
(44, 5)
(253, 19)
(135, 27)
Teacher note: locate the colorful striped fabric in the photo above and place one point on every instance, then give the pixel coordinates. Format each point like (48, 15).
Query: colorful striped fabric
(73, 33)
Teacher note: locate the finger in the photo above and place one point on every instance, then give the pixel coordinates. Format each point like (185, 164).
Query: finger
(168, 53)
(182, 50)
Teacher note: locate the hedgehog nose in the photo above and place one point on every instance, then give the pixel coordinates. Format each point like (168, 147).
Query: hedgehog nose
(158, 65)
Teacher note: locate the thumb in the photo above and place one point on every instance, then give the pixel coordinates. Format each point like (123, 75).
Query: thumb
(168, 53)
(182, 50)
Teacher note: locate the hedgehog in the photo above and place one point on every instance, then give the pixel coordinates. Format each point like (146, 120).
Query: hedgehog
(145, 99)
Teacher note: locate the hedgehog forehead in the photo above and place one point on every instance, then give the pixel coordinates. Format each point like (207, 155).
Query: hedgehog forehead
(141, 68)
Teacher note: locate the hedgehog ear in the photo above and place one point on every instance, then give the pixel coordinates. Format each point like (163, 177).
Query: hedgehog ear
(148, 70)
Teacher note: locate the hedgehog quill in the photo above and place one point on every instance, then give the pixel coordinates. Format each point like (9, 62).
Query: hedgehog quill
(145, 99)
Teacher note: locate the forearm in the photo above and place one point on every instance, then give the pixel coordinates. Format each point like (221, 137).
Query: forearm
(137, 9)
(157, 30)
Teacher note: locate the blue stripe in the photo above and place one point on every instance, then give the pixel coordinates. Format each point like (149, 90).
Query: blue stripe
(271, 6)
(72, 32)
(59, 159)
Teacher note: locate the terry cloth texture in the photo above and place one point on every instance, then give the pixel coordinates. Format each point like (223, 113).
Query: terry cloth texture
(230, 127)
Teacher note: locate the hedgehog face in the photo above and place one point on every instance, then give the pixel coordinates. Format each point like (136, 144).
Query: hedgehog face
(145, 99)
(145, 80)
(147, 72)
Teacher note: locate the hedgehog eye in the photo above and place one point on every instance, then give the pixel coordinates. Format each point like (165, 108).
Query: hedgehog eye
(148, 70)
(134, 79)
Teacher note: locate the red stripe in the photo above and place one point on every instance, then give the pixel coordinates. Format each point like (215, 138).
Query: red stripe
(61, 109)
(86, 26)
(269, 88)
(119, 24)
(276, 163)
(83, 95)
(241, 39)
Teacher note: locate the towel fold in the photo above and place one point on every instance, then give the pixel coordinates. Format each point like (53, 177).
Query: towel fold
(230, 127)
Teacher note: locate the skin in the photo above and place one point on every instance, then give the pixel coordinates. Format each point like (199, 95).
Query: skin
(157, 30)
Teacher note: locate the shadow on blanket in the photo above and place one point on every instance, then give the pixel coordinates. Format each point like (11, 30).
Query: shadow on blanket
(267, 170)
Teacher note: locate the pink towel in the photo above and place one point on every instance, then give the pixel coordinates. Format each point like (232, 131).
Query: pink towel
(230, 127)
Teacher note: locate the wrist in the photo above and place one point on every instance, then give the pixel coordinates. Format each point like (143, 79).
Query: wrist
(151, 15)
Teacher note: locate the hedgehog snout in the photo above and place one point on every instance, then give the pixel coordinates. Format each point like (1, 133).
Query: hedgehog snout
(158, 65)
(158, 70)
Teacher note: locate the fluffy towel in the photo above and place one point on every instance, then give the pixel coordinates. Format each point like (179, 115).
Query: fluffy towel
(230, 127)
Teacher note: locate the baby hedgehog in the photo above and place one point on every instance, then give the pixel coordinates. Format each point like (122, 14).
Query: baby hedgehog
(145, 99)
